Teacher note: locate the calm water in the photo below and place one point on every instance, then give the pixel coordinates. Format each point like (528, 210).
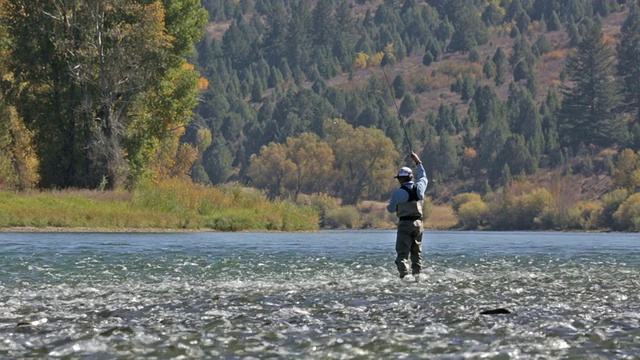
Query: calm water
(318, 295)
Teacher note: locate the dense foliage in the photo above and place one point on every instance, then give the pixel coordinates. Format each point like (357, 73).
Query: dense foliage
(273, 72)
(101, 95)
(104, 86)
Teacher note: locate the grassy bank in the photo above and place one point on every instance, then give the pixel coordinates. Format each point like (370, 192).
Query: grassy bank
(169, 205)
(183, 206)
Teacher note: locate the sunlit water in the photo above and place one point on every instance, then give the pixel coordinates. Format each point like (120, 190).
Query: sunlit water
(318, 295)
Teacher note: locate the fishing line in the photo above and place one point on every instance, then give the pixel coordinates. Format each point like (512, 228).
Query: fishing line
(406, 136)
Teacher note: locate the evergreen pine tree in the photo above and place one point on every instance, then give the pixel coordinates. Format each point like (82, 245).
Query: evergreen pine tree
(628, 65)
(553, 24)
(500, 61)
(399, 87)
(408, 106)
(588, 114)
(489, 69)
(448, 158)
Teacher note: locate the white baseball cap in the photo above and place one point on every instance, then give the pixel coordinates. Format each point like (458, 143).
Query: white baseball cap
(404, 172)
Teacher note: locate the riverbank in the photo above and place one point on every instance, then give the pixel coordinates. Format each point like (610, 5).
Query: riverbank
(169, 206)
(53, 229)
(179, 207)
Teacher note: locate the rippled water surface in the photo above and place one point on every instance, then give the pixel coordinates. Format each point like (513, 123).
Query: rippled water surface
(318, 295)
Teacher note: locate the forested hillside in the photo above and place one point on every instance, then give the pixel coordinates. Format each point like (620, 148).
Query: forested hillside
(489, 91)
(313, 97)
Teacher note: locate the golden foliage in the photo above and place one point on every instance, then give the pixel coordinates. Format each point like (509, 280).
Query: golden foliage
(462, 199)
(535, 201)
(365, 61)
(390, 51)
(361, 61)
(455, 69)
(172, 159)
(185, 158)
(628, 214)
(473, 214)
(364, 158)
(554, 55)
(623, 173)
(586, 215)
(469, 154)
(271, 169)
(203, 84)
(314, 163)
(18, 160)
(302, 164)
(376, 59)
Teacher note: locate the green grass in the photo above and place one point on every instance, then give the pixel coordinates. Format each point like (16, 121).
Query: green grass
(170, 205)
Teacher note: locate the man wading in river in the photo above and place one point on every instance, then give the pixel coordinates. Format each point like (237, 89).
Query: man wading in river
(406, 202)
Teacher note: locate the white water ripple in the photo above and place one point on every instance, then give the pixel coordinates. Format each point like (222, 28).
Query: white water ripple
(200, 300)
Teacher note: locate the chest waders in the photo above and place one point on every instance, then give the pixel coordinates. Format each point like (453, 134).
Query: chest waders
(409, 239)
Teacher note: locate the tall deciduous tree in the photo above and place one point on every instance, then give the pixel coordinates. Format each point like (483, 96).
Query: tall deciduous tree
(627, 165)
(18, 161)
(103, 82)
(365, 158)
(302, 164)
(314, 161)
(272, 169)
(588, 114)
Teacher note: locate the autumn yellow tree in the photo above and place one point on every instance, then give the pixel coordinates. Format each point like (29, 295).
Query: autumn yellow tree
(365, 163)
(18, 161)
(625, 167)
(104, 84)
(303, 164)
(272, 170)
(313, 161)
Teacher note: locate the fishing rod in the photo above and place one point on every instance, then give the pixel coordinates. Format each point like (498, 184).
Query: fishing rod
(406, 136)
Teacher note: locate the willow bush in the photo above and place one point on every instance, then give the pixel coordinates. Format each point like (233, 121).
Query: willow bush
(628, 214)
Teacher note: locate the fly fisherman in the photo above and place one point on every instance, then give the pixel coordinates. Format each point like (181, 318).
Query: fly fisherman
(406, 202)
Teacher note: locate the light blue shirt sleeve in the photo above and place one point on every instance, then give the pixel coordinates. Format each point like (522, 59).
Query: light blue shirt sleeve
(400, 196)
(422, 182)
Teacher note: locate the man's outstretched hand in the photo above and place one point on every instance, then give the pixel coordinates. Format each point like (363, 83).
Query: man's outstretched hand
(415, 158)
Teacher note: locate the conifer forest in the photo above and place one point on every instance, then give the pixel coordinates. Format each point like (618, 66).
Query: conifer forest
(328, 97)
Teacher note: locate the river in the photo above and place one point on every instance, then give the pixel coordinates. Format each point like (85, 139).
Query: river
(324, 295)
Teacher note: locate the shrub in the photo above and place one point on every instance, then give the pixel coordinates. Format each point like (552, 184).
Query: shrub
(462, 199)
(473, 214)
(346, 217)
(591, 213)
(522, 212)
(584, 216)
(529, 207)
(552, 218)
(323, 203)
(554, 55)
(610, 204)
(455, 70)
(628, 214)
